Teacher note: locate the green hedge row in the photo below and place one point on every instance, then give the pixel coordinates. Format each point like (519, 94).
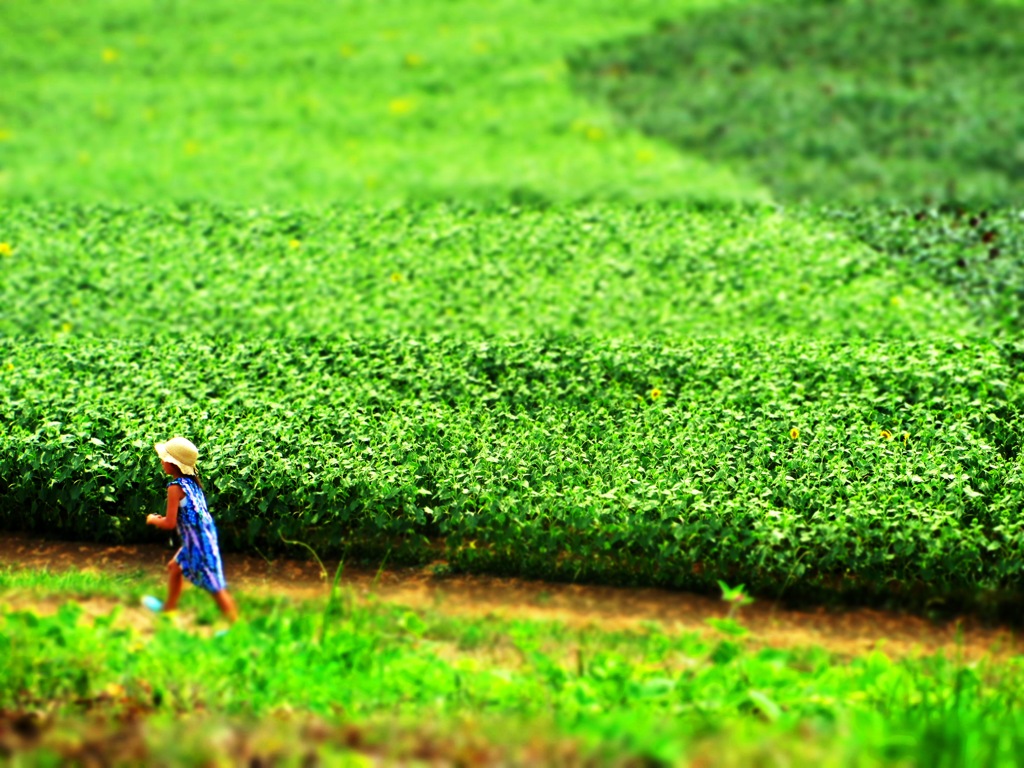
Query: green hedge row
(610, 270)
(798, 467)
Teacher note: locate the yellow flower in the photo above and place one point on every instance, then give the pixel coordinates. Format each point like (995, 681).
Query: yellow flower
(294, 244)
(644, 156)
(401, 106)
(5, 135)
(655, 393)
(887, 434)
(413, 60)
(110, 55)
(10, 366)
(396, 277)
(66, 328)
(6, 250)
(114, 691)
(794, 433)
(906, 436)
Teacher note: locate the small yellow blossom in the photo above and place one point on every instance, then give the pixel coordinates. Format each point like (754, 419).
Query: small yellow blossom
(401, 106)
(5, 135)
(347, 51)
(906, 436)
(645, 156)
(886, 434)
(655, 393)
(6, 249)
(295, 244)
(413, 60)
(10, 366)
(896, 301)
(396, 277)
(114, 691)
(66, 327)
(110, 55)
(794, 433)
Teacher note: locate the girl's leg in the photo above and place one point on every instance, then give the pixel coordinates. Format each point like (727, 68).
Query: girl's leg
(174, 584)
(226, 604)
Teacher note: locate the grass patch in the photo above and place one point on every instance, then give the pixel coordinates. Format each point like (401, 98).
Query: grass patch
(374, 101)
(848, 101)
(380, 669)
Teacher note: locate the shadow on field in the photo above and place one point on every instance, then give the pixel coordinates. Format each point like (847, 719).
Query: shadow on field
(834, 101)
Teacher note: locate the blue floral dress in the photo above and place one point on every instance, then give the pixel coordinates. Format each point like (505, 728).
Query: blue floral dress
(199, 556)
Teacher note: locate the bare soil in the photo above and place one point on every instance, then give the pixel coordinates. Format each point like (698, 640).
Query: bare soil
(845, 632)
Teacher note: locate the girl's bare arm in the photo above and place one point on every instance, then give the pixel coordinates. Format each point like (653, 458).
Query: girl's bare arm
(170, 520)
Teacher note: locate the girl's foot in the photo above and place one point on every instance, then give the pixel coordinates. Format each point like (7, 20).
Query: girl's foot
(154, 604)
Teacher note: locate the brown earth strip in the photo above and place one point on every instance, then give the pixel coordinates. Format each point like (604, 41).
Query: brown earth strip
(845, 632)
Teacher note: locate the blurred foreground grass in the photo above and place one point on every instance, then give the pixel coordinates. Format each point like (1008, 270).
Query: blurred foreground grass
(348, 678)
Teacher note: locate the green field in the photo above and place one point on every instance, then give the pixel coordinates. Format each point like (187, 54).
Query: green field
(651, 294)
(411, 686)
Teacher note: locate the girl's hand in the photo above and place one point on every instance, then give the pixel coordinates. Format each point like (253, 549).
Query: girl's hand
(150, 519)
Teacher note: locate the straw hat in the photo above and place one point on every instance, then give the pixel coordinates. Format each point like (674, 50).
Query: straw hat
(180, 452)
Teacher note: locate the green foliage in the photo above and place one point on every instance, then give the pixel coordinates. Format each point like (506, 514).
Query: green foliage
(461, 270)
(381, 100)
(650, 694)
(878, 471)
(833, 100)
(978, 254)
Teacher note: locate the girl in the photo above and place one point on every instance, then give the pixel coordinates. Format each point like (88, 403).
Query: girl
(198, 560)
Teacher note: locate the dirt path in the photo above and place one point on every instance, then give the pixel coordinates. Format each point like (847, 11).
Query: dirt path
(845, 632)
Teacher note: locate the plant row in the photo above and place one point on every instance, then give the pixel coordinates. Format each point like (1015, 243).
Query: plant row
(600, 269)
(872, 470)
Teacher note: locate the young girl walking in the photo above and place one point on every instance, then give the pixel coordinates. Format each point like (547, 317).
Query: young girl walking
(198, 560)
